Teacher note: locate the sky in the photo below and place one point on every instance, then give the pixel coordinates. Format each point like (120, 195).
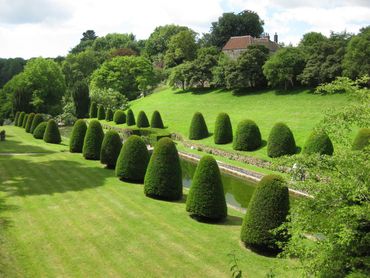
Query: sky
(48, 28)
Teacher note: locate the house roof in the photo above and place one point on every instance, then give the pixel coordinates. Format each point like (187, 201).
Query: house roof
(242, 42)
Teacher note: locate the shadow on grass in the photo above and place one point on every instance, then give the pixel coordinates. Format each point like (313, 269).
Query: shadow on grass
(230, 220)
(14, 146)
(5, 221)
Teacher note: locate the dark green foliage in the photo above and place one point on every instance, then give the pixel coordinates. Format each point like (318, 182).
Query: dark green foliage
(198, 127)
(132, 160)
(362, 139)
(52, 134)
(318, 142)
(223, 129)
(36, 121)
(93, 110)
(16, 117)
(76, 141)
(81, 99)
(93, 140)
(156, 120)
(247, 137)
(206, 199)
(281, 141)
(110, 149)
(39, 131)
(119, 117)
(101, 112)
(21, 118)
(163, 179)
(142, 120)
(267, 210)
(25, 119)
(29, 122)
(130, 120)
(109, 115)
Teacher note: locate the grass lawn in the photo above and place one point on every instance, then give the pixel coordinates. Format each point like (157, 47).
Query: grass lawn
(63, 216)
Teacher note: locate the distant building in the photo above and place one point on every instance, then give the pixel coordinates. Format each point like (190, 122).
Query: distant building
(237, 45)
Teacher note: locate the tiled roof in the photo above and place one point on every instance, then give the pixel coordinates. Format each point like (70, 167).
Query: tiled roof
(243, 42)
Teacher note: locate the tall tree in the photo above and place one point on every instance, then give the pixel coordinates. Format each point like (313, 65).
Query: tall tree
(9, 68)
(87, 40)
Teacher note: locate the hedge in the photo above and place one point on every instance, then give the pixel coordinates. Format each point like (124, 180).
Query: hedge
(109, 115)
(362, 139)
(281, 141)
(247, 136)
(119, 117)
(163, 179)
(16, 117)
(156, 120)
(31, 116)
(267, 210)
(52, 134)
(93, 110)
(76, 141)
(21, 118)
(198, 128)
(25, 119)
(318, 142)
(206, 199)
(93, 140)
(110, 149)
(101, 112)
(39, 131)
(36, 121)
(130, 118)
(223, 130)
(133, 160)
(142, 120)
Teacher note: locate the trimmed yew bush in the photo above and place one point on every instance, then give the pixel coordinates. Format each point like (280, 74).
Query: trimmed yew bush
(142, 120)
(16, 117)
(266, 211)
(21, 118)
(109, 115)
(318, 142)
(247, 136)
(281, 141)
(132, 160)
(36, 121)
(163, 179)
(101, 112)
(110, 149)
(119, 117)
(156, 120)
(76, 141)
(93, 113)
(29, 122)
(39, 131)
(52, 134)
(223, 130)
(198, 128)
(93, 140)
(206, 199)
(130, 118)
(24, 122)
(362, 139)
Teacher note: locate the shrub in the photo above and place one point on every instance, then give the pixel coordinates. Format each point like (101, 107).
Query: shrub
(20, 118)
(52, 134)
(198, 127)
(39, 131)
(267, 210)
(16, 117)
(119, 117)
(163, 179)
(76, 141)
(93, 110)
(93, 140)
(223, 130)
(36, 121)
(101, 112)
(132, 160)
(318, 142)
(142, 120)
(247, 136)
(156, 120)
(29, 122)
(24, 122)
(281, 141)
(109, 115)
(130, 119)
(206, 199)
(362, 139)
(110, 149)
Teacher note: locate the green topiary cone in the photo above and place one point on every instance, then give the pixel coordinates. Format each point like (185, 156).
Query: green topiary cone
(93, 140)
(76, 141)
(52, 134)
(223, 130)
(110, 149)
(247, 137)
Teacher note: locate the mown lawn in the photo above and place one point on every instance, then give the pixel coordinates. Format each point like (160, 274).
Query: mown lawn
(63, 216)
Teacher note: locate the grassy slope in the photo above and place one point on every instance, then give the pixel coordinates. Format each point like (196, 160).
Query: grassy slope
(64, 216)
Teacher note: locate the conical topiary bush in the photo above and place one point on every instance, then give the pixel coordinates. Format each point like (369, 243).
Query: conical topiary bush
(266, 211)
(76, 141)
(52, 134)
(318, 142)
(142, 120)
(21, 118)
(156, 120)
(119, 117)
(130, 118)
(93, 113)
(110, 149)
(39, 131)
(132, 160)
(109, 115)
(36, 121)
(29, 122)
(16, 117)
(362, 139)
(25, 119)
(198, 128)
(101, 112)
(163, 179)
(93, 140)
(206, 199)
(247, 136)
(223, 130)
(281, 141)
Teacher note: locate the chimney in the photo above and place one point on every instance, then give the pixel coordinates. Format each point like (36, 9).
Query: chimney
(267, 36)
(276, 38)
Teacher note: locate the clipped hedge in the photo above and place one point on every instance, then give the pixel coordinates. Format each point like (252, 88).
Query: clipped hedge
(36, 121)
(156, 120)
(223, 130)
(119, 117)
(39, 131)
(362, 139)
(21, 118)
(110, 149)
(198, 128)
(206, 199)
(267, 210)
(76, 141)
(281, 141)
(130, 118)
(318, 142)
(109, 115)
(93, 140)
(142, 120)
(25, 119)
(101, 112)
(163, 179)
(133, 160)
(247, 136)
(29, 122)
(16, 118)
(93, 113)
(52, 134)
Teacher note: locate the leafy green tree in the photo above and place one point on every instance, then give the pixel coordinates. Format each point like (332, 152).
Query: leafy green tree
(81, 99)
(181, 76)
(115, 41)
(9, 68)
(88, 38)
(109, 98)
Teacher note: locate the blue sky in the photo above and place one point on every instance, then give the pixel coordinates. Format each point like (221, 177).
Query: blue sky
(51, 27)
